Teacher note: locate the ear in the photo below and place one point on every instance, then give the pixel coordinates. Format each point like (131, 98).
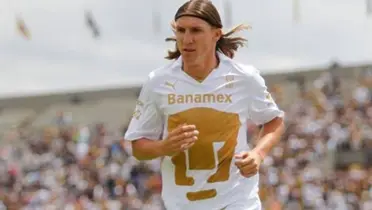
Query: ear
(217, 34)
(173, 26)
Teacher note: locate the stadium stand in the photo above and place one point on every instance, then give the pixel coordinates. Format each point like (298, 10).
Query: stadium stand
(66, 150)
(11, 117)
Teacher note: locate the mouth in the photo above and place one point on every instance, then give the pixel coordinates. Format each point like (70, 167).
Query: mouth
(188, 50)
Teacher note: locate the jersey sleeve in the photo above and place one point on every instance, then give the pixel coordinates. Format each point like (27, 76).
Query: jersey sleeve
(147, 120)
(262, 108)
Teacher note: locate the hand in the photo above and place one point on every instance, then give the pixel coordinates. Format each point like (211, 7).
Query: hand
(181, 138)
(248, 163)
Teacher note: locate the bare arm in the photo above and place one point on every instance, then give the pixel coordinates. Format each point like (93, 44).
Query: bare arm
(146, 149)
(269, 136)
(179, 139)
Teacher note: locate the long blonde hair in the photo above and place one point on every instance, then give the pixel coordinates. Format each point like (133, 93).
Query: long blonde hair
(205, 10)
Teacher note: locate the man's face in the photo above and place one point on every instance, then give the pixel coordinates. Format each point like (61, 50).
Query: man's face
(196, 39)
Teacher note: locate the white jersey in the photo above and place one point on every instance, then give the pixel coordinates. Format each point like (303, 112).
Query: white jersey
(205, 176)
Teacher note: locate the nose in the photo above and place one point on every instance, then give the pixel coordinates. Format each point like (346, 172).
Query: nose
(188, 38)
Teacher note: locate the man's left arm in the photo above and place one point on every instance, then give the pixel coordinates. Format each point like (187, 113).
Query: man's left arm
(262, 111)
(269, 136)
(249, 162)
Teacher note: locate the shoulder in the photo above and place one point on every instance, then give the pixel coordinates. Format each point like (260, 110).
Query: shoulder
(243, 69)
(247, 72)
(158, 75)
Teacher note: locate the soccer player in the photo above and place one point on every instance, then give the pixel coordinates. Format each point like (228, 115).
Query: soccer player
(193, 113)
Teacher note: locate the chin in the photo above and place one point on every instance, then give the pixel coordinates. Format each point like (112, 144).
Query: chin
(190, 59)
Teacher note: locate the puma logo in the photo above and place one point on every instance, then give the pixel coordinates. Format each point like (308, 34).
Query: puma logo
(173, 86)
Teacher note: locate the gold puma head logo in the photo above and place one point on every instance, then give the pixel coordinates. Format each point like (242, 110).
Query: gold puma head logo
(170, 85)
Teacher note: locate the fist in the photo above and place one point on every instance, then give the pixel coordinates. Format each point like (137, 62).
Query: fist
(248, 163)
(181, 138)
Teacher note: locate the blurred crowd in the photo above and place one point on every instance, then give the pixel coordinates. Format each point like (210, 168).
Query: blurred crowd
(64, 166)
(322, 122)
(75, 167)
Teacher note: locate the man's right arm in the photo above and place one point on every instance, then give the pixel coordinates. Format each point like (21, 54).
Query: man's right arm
(179, 139)
(146, 128)
(147, 149)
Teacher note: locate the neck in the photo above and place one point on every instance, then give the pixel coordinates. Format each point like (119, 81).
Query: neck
(200, 71)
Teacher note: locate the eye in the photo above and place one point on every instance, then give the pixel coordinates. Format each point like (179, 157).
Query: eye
(196, 30)
(180, 30)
